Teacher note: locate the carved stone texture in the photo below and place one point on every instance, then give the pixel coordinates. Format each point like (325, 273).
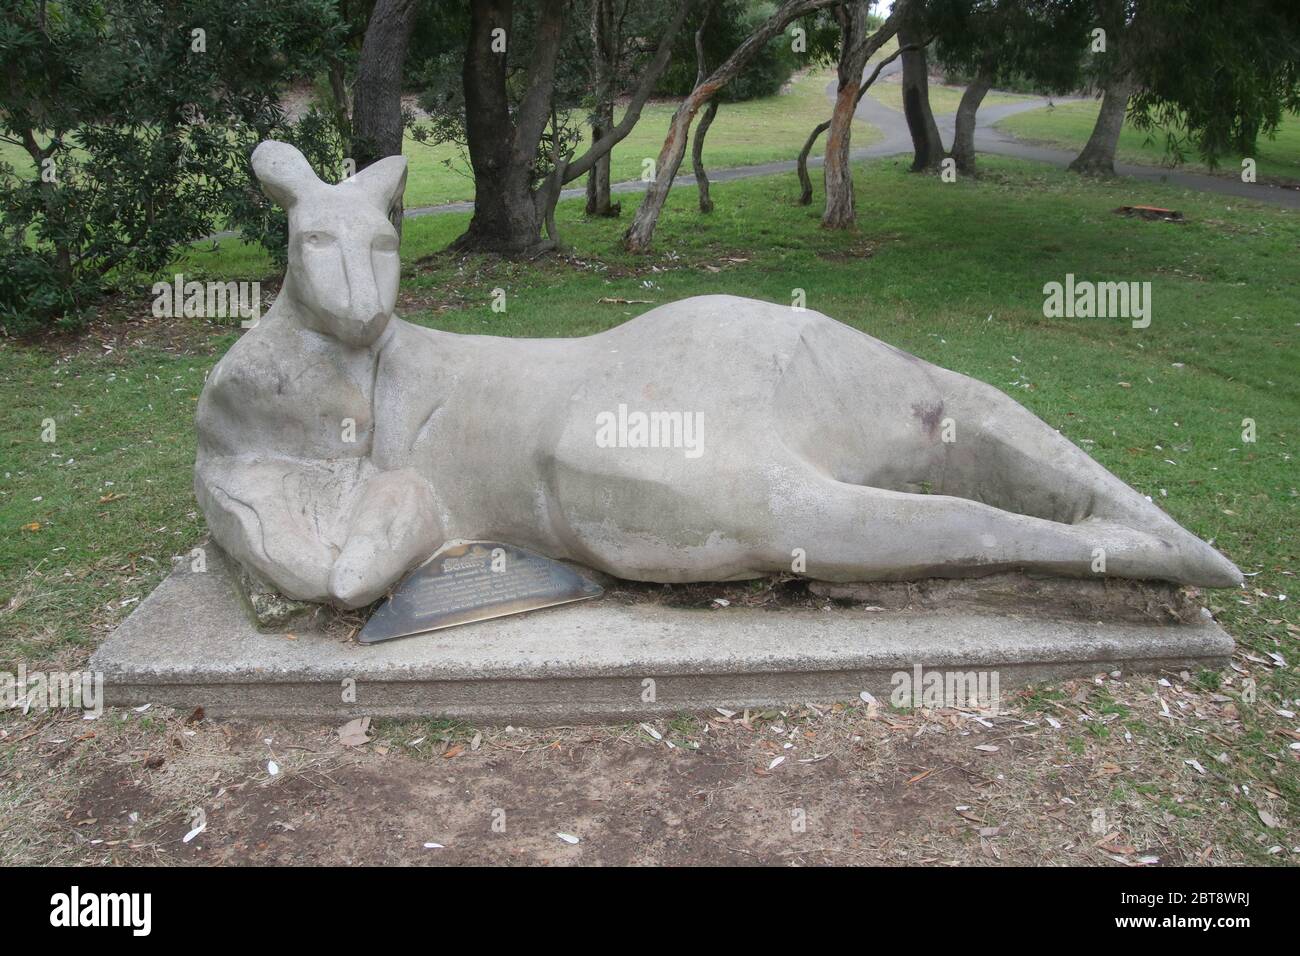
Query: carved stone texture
(712, 439)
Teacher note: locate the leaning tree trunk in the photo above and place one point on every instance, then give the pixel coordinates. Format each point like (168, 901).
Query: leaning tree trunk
(926, 144)
(377, 94)
(640, 233)
(548, 193)
(605, 45)
(701, 131)
(963, 138)
(855, 49)
(697, 155)
(1098, 156)
(805, 183)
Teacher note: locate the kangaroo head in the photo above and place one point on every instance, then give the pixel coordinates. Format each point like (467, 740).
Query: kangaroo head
(343, 263)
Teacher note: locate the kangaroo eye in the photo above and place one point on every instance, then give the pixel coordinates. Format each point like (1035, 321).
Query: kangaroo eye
(315, 239)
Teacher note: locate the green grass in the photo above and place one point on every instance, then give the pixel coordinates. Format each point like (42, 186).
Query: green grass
(943, 98)
(951, 272)
(1068, 126)
(963, 291)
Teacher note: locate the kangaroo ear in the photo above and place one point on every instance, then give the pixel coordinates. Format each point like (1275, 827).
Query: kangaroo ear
(381, 182)
(284, 173)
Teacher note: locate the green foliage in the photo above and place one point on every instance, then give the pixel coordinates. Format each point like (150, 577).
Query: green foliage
(729, 23)
(137, 117)
(1224, 70)
(1022, 45)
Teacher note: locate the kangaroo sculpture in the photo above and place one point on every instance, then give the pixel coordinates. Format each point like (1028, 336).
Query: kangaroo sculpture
(340, 446)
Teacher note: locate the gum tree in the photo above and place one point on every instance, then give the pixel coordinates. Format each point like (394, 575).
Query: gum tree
(999, 43)
(857, 44)
(1212, 76)
(640, 233)
(519, 147)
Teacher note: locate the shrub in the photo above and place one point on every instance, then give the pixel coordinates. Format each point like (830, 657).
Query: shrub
(137, 118)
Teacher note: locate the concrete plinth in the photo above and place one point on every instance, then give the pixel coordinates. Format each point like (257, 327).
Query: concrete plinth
(191, 644)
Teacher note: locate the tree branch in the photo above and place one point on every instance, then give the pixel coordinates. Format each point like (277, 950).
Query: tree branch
(596, 150)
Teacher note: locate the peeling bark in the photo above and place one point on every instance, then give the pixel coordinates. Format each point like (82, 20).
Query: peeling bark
(856, 47)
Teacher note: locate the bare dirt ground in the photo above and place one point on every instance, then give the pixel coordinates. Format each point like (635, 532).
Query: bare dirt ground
(1112, 771)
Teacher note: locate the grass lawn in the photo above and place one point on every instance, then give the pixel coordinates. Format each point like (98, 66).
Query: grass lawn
(943, 98)
(89, 523)
(1068, 126)
(742, 134)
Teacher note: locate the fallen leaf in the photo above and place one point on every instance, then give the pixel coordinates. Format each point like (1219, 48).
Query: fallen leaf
(353, 733)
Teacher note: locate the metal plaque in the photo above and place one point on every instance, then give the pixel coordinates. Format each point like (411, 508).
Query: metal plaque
(474, 582)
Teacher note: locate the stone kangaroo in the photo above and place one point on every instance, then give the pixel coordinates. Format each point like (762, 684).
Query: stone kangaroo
(340, 446)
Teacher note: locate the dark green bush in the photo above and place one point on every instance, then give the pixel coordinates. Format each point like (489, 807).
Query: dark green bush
(137, 132)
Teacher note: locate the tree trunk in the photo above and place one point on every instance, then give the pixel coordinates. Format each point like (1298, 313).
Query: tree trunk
(606, 43)
(697, 155)
(963, 138)
(342, 101)
(837, 172)
(640, 233)
(697, 146)
(502, 146)
(510, 209)
(377, 94)
(926, 144)
(1098, 156)
(599, 202)
(805, 183)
